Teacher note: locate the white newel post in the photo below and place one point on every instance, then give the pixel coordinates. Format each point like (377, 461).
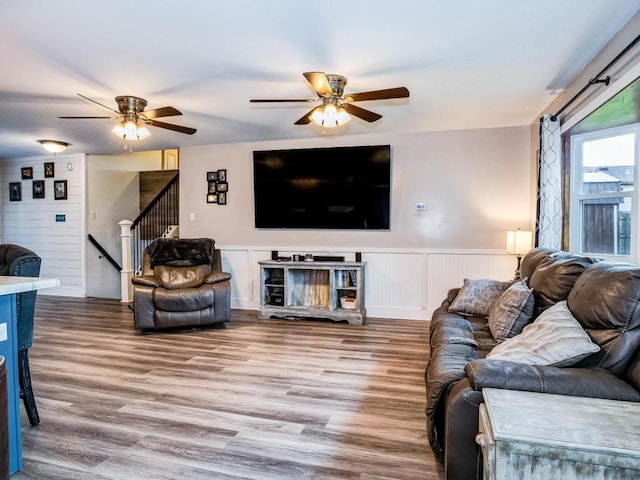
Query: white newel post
(126, 288)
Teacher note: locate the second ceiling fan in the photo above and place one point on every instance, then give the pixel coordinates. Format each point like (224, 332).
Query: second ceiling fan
(336, 106)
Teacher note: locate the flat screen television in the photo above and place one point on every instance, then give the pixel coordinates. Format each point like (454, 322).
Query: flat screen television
(323, 188)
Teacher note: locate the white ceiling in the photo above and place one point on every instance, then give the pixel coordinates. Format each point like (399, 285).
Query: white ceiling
(467, 64)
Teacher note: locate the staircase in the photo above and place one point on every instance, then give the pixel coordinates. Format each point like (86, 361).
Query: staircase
(160, 218)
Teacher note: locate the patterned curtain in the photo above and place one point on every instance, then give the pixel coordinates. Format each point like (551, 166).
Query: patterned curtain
(549, 215)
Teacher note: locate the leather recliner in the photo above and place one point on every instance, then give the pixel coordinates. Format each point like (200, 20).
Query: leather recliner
(16, 260)
(182, 285)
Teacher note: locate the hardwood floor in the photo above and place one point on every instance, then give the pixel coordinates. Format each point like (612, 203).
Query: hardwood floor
(255, 399)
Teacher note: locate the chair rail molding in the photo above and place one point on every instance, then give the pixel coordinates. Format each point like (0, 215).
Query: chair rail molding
(399, 283)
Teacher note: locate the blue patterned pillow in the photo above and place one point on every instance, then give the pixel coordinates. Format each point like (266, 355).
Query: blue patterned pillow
(512, 312)
(477, 297)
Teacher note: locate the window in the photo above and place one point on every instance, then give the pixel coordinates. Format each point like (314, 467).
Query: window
(604, 159)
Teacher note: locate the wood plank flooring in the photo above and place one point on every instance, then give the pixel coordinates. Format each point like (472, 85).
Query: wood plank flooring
(255, 399)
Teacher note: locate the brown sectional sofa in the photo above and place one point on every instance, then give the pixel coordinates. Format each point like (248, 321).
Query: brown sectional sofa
(604, 298)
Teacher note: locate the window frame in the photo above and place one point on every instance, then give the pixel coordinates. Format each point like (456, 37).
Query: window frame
(577, 196)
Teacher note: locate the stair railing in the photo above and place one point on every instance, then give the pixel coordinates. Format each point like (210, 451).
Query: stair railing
(154, 221)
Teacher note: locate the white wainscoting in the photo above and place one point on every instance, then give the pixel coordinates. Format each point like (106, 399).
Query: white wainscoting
(399, 283)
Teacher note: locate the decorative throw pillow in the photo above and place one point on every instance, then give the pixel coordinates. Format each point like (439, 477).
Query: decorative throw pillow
(181, 277)
(554, 338)
(511, 312)
(476, 297)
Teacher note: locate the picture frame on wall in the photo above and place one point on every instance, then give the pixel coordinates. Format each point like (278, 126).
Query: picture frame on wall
(222, 198)
(211, 187)
(15, 191)
(38, 189)
(222, 187)
(222, 175)
(212, 198)
(27, 173)
(212, 176)
(49, 170)
(60, 190)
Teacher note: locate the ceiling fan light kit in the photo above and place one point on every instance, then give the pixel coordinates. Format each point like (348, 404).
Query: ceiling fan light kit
(134, 118)
(53, 146)
(337, 108)
(329, 116)
(131, 130)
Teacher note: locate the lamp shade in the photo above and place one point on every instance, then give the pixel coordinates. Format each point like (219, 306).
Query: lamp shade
(519, 241)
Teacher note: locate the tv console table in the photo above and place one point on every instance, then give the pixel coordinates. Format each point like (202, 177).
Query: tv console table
(327, 290)
(527, 435)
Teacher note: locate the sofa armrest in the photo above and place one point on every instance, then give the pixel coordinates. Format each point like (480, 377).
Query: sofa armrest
(216, 277)
(146, 280)
(580, 382)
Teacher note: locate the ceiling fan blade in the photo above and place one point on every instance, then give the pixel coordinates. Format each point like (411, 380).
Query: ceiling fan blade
(367, 115)
(98, 103)
(399, 92)
(84, 118)
(305, 119)
(161, 112)
(280, 100)
(170, 126)
(320, 83)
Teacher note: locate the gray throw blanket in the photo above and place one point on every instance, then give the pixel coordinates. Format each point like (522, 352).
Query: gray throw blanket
(181, 251)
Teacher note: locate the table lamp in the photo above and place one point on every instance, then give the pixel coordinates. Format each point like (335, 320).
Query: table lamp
(519, 242)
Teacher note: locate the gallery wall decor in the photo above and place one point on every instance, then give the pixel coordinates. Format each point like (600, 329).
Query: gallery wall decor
(38, 189)
(217, 187)
(60, 190)
(49, 170)
(15, 191)
(27, 173)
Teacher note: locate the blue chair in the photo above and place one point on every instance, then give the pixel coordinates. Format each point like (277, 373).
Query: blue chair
(19, 261)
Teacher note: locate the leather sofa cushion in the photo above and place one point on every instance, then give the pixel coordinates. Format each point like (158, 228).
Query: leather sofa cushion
(181, 277)
(605, 300)
(533, 258)
(554, 278)
(184, 300)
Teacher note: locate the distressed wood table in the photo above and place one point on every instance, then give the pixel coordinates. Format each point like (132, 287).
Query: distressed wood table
(528, 436)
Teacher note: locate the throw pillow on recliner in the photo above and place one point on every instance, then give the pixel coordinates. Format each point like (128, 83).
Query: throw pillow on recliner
(181, 277)
(477, 297)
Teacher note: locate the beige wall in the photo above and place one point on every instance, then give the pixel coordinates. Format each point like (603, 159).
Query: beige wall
(475, 184)
(113, 195)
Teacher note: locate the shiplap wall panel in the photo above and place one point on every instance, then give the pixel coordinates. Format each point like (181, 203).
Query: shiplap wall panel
(31, 222)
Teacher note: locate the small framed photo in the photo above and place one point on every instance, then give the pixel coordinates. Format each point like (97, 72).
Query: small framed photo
(212, 198)
(38, 189)
(222, 175)
(49, 170)
(212, 176)
(211, 187)
(222, 198)
(15, 191)
(60, 190)
(27, 173)
(222, 187)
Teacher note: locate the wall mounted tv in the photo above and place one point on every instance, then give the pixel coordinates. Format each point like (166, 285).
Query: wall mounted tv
(323, 188)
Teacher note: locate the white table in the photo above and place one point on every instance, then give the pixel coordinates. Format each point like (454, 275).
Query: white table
(526, 436)
(9, 286)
